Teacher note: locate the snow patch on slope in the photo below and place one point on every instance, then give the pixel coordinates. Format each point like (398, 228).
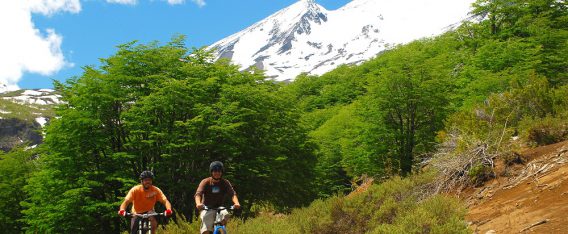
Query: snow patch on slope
(41, 121)
(36, 97)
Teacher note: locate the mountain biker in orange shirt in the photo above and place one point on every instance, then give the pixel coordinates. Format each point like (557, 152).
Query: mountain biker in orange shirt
(143, 198)
(212, 192)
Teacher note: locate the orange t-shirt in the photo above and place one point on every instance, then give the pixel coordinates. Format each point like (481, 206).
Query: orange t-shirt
(144, 200)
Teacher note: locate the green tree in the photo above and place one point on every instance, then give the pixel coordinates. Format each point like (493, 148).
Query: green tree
(543, 23)
(342, 156)
(152, 107)
(411, 95)
(15, 168)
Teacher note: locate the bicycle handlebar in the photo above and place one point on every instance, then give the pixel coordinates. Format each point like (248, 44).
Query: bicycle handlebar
(145, 216)
(219, 208)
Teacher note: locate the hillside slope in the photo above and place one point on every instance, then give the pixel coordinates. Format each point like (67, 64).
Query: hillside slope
(23, 114)
(530, 197)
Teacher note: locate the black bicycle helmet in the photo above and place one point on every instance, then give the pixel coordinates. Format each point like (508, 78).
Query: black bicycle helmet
(216, 166)
(146, 174)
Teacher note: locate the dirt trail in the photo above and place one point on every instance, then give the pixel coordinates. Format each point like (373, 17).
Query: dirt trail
(531, 197)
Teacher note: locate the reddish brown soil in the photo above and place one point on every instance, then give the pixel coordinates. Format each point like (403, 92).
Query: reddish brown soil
(523, 195)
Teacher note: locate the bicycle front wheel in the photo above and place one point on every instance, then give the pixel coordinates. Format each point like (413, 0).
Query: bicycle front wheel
(220, 230)
(146, 227)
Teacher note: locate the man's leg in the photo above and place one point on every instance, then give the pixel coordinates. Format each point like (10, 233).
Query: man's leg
(225, 215)
(207, 220)
(133, 225)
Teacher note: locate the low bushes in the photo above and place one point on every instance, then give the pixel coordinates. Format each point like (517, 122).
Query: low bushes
(395, 206)
(545, 131)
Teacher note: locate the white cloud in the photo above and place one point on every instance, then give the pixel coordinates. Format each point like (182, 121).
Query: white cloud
(48, 7)
(23, 47)
(200, 3)
(125, 2)
(175, 2)
(26, 49)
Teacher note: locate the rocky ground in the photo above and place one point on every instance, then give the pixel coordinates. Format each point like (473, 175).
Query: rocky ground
(529, 196)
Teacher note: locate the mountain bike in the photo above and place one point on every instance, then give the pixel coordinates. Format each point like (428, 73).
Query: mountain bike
(144, 224)
(218, 226)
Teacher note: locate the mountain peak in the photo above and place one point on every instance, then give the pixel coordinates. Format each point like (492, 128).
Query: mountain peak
(308, 3)
(300, 8)
(301, 38)
(306, 37)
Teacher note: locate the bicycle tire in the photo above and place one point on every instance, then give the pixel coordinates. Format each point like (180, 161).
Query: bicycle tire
(148, 229)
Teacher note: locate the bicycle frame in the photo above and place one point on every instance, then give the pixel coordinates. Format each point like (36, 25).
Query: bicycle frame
(218, 227)
(144, 224)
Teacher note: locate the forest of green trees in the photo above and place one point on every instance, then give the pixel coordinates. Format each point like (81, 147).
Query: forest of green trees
(173, 110)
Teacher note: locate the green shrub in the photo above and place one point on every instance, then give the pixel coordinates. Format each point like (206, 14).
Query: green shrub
(303, 220)
(438, 214)
(395, 206)
(480, 173)
(544, 131)
(180, 226)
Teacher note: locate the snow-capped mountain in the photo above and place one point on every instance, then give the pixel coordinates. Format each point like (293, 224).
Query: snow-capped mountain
(34, 97)
(305, 37)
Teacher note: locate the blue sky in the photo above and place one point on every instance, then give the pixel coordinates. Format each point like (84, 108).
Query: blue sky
(78, 33)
